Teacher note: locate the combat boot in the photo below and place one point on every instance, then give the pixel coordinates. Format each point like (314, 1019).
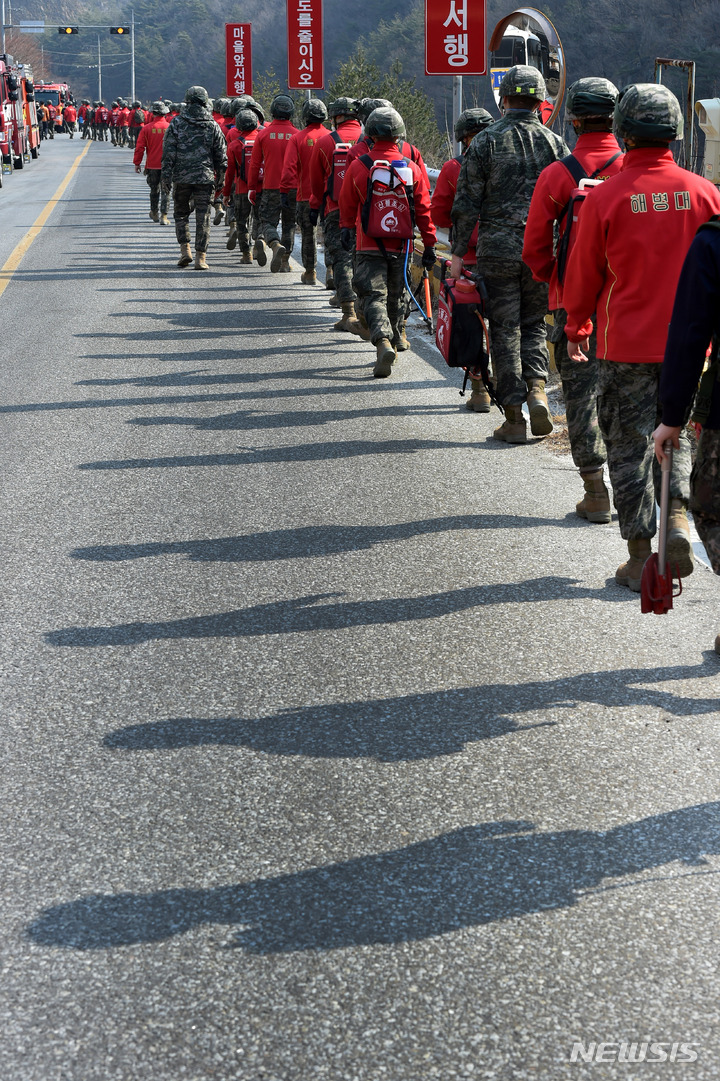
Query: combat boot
(330, 280)
(231, 242)
(385, 359)
(200, 261)
(595, 504)
(278, 252)
(246, 258)
(348, 322)
(479, 400)
(219, 214)
(630, 573)
(537, 403)
(259, 252)
(154, 216)
(185, 255)
(359, 326)
(309, 278)
(335, 301)
(400, 340)
(680, 553)
(514, 427)
(164, 219)
(285, 267)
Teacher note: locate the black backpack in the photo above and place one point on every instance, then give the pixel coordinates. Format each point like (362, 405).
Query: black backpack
(577, 172)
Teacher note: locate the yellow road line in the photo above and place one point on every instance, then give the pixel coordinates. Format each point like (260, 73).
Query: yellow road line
(15, 258)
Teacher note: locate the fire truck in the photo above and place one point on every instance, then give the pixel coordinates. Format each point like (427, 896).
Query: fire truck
(15, 107)
(32, 127)
(56, 94)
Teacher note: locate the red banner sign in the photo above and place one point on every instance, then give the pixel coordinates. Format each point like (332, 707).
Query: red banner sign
(455, 37)
(305, 44)
(238, 59)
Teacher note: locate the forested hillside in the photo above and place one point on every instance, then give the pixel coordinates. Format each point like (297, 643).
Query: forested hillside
(182, 43)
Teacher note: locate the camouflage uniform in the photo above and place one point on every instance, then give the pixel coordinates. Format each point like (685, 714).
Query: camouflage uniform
(272, 212)
(308, 235)
(243, 211)
(159, 198)
(580, 388)
(705, 497)
(341, 261)
(380, 285)
(194, 161)
(628, 413)
(498, 174)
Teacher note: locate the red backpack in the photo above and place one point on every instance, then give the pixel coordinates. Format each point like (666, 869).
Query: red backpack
(244, 164)
(388, 212)
(340, 162)
(572, 208)
(461, 333)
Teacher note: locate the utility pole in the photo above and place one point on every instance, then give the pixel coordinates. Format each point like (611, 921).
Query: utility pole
(457, 105)
(132, 55)
(2, 26)
(99, 72)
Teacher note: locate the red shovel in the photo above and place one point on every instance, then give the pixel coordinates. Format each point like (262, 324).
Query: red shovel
(656, 586)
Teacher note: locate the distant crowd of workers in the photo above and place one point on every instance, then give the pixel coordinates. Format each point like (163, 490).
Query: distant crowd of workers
(506, 202)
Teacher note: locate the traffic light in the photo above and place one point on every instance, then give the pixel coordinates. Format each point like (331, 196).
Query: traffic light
(119, 29)
(67, 30)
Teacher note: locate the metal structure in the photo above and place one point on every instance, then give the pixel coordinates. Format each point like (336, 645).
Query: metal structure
(689, 111)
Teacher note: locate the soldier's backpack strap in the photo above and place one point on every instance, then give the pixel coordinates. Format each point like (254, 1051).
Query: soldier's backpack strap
(577, 172)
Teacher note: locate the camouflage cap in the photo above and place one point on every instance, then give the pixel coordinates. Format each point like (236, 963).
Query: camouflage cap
(471, 122)
(344, 107)
(591, 97)
(159, 108)
(197, 95)
(522, 81)
(246, 120)
(648, 111)
(368, 105)
(314, 109)
(385, 124)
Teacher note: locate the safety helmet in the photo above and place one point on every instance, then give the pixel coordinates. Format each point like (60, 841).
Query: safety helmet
(591, 97)
(115, 104)
(367, 105)
(282, 107)
(217, 105)
(177, 106)
(313, 109)
(136, 105)
(197, 95)
(385, 124)
(522, 82)
(343, 107)
(168, 103)
(159, 108)
(471, 122)
(246, 120)
(648, 111)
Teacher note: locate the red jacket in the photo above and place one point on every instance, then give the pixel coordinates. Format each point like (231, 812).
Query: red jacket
(443, 198)
(235, 153)
(124, 119)
(633, 235)
(269, 153)
(70, 114)
(298, 154)
(102, 115)
(552, 191)
(150, 141)
(321, 163)
(354, 192)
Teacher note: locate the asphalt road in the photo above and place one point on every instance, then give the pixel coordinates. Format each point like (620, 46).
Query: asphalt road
(330, 748)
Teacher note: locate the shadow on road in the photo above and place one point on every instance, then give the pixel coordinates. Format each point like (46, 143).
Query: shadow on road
(471, 876)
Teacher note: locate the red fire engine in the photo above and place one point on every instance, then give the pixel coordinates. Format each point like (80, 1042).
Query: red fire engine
(14, 142)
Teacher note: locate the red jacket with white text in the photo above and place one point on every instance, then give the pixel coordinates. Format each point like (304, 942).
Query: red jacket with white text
(633, 235)
(269, 154)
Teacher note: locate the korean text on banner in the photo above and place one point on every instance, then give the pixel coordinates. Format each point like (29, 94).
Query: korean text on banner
(455, 37)
(238, 59)
(305, 44)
